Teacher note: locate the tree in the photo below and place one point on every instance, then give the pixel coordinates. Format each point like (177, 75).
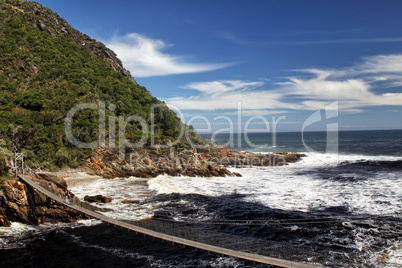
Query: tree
(32, 101)
(18, 136)
(5, 156)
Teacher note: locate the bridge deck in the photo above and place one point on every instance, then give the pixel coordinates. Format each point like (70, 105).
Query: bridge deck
(178, 240)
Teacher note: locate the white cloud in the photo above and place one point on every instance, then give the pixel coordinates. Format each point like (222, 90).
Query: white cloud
(250, 100)
(257, 112)
(228, 94)
(355, 88)
(383, 64)
(144, 57)
(322, 88)
(217, 87)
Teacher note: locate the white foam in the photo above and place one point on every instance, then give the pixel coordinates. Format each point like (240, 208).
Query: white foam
(390, 257)
(293, 188)
(80, 178)
(126, 193)
(276, 187)
(16, 235)
(332, 159)
(395, 257)
(19, 234)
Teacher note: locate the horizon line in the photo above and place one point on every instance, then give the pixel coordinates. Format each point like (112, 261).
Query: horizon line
(310, 131)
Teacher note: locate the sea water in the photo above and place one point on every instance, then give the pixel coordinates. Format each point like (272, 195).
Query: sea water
(341, 205)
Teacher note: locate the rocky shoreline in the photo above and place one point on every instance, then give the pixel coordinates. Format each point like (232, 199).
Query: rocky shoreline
(158, 160)
(21, 203)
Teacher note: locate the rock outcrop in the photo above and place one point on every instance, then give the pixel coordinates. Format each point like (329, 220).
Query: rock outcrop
(228, 157)
(151, 162)
(98, 198)
(22, 203)
(158, 160)
(59, 181)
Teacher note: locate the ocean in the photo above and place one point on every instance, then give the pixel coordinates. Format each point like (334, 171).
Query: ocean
(340, 206)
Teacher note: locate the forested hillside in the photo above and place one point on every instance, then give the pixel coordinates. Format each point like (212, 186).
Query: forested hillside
(46, 68)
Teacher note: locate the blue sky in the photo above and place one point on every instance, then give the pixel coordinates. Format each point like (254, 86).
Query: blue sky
(279, 61)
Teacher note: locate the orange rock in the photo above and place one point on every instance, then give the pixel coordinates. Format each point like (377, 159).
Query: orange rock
(148, 161)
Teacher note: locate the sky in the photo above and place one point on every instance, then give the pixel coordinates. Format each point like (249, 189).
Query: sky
(257, 65)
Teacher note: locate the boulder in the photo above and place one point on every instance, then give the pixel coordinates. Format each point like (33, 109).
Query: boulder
(22, 203)
(98, 198)
(292, 157)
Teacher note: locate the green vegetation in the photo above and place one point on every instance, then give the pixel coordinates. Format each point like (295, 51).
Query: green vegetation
(5, 154)
(47, 68)
(6, 178)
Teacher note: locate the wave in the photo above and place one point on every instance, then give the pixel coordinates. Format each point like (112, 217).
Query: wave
(18, 235)
(311, 184)
(316, 159)
(126, 194)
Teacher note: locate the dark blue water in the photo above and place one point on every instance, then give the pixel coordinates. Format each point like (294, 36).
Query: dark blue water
(373, 142)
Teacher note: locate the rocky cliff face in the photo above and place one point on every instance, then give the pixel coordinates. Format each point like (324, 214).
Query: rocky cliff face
(21, 203)
(158, 160)
(151, 162)
(46, 20)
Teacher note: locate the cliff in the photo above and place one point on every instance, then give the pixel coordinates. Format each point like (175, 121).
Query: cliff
(21, 203)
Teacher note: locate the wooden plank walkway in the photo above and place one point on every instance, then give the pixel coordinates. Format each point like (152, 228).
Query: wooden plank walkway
(174, 239)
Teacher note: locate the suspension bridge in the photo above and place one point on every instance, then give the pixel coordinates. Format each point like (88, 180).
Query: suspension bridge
(172, 238)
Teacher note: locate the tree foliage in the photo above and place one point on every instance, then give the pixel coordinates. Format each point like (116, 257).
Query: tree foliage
(46, 69)
(5, 156)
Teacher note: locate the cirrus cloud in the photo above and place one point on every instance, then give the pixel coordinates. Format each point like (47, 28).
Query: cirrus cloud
(227, 94)
(144, 57)
(217, 87)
